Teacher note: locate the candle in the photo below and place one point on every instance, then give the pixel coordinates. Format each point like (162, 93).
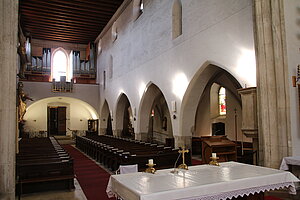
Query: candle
(150, 161)
(214, 155)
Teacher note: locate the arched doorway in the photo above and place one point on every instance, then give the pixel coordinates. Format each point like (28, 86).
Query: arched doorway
(58, 116)
(105, 121)
(155, 118)
(124, 118)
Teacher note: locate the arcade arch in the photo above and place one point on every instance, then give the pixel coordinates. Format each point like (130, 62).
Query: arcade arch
(105, 120)
(124, 118)
(154, 117)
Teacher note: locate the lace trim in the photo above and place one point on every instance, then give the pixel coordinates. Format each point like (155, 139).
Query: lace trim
(247, 192)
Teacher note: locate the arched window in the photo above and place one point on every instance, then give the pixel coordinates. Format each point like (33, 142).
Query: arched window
(61, 65)
(141, 6)
(138, 8)
(176, 19)
(114, 32)
(222, 101)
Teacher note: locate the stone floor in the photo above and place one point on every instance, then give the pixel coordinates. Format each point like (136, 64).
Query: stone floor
(76, 194)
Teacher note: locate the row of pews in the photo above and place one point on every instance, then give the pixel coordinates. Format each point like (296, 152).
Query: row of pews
(42, 165)
(112, 151)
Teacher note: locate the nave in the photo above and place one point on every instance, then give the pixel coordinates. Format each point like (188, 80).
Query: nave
(92, 178)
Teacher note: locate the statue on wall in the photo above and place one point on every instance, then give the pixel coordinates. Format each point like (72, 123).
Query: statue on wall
(22, 53)
(22, 98)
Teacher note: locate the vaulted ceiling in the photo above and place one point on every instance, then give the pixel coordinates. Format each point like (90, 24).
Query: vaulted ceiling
(73, 21)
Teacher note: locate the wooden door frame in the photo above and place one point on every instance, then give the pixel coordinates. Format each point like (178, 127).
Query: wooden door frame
(48, 117)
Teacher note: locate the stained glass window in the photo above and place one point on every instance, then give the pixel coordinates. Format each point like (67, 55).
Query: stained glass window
(222, 101)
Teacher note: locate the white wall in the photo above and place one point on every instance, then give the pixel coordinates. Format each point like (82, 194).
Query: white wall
(213, 30)
(292, 27)
(77, 114)
(86, 92)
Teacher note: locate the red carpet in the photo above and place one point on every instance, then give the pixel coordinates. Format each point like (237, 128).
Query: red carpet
(92, 178)
(272, 198)
(196, 162)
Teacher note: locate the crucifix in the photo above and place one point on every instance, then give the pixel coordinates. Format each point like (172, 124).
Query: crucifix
(183, 165)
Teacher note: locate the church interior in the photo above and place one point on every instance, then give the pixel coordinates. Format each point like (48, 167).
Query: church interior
(90, 86)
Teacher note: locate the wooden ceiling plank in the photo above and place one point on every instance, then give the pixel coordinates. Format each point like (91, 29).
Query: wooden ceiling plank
(54, 19)
(94, 5)
(73, 21)
(64, 40)
(47, 22)
(73, 7)
(61, 28)
(42, 11)
(58, 16)
(45, 9)
(63, 37)
(65, 26)
(52, 31)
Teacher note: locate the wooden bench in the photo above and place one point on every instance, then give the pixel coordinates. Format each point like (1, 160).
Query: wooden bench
(112, 152)
(41, 165)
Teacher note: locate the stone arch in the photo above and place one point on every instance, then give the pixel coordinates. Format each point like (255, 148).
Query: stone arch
(196, 94)
(154, 127)
(105, 120)
(124, 117)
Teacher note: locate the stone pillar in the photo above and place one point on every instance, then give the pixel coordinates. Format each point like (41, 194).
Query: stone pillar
(8, 116)
(102, 131)
(272, 82)
(141, 136)
(117, 132)
(183, 141)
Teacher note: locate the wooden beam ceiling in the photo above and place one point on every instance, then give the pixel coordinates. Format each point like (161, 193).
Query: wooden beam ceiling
(74, 21)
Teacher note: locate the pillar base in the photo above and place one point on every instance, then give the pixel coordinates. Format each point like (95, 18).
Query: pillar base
(183, 141)
(141, 136)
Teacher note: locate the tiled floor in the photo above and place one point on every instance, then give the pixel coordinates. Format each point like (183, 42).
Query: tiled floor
(76, 194)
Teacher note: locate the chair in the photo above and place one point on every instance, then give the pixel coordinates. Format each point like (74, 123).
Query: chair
(123, 169)
(126, 169)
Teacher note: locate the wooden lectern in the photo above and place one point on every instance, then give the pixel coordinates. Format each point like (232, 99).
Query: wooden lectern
(221, 145)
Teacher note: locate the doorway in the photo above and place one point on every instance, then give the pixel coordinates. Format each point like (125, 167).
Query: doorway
(56, 120)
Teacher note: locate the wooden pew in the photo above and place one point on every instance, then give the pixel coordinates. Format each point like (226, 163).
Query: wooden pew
(43, 164)
(112, 151)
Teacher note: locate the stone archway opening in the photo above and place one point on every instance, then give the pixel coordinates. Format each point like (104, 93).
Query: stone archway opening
(124, 118)
(155, 118)
(105, 120)
(201, 115)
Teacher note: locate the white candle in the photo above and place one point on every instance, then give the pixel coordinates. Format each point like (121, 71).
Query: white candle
(150, 161)
(214, 155)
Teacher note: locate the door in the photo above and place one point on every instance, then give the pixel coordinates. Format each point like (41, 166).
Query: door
(56, 121)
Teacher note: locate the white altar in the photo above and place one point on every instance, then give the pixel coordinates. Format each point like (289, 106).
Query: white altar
(292, 160)
(230, 179)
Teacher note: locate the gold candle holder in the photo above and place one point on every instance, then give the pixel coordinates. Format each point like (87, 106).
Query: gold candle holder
(214, 161)
(150, 168)
(183, 166)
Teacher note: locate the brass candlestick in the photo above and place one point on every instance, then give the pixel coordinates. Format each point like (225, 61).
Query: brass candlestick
(150, 168)
(214, 161)
(183, 165)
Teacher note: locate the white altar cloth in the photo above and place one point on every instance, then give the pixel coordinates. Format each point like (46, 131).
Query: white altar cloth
(230, 179)
(292, 160)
